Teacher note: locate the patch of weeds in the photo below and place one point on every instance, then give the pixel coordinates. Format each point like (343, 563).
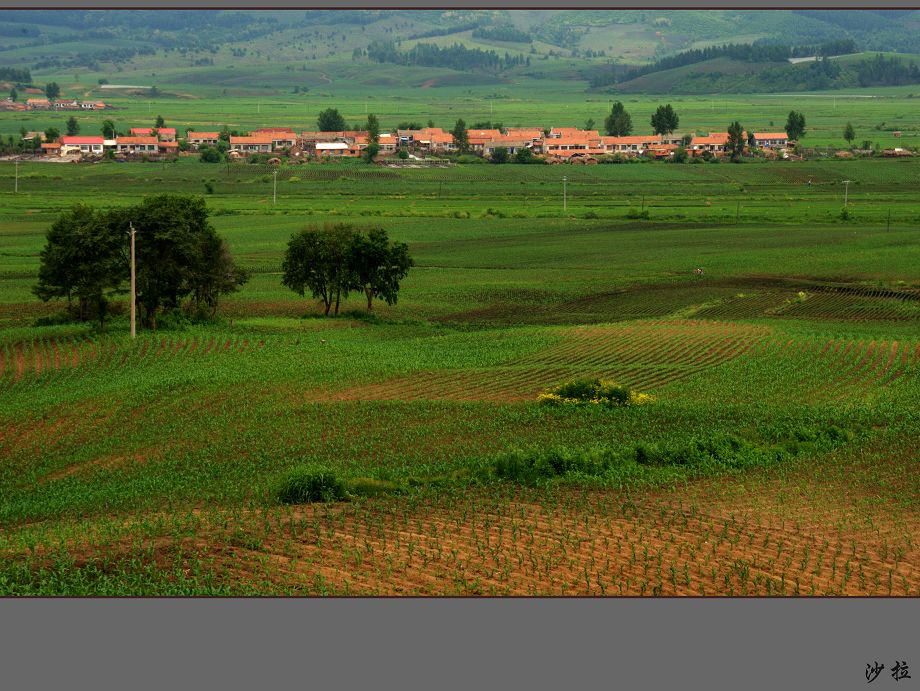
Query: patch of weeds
(310, 484)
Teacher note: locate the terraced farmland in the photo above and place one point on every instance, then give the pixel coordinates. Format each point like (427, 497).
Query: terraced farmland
(778, 455)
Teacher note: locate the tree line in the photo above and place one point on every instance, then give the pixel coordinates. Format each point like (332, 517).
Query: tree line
(457, 56)
(747, 52)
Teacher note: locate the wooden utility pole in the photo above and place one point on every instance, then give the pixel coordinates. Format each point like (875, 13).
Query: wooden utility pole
(133, 287)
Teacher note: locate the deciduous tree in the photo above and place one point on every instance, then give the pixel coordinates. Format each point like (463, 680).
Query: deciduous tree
(735, 145)
(795, 125)
(377, 265)
(849, 133)
(317, 260)
(330, 120)
(373, 128)
(665, 120)
(619, 122)
(461, 138)
(81, 262)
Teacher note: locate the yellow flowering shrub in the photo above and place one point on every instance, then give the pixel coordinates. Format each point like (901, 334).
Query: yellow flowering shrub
(597, 392)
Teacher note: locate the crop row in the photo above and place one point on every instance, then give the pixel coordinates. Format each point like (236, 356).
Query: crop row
(53, 356)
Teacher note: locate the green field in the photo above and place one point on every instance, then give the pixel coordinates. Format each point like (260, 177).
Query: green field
(779, 455)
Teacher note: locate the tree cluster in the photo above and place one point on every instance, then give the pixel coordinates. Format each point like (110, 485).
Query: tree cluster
(331, 261)
(179, 255)
(457, 56)
(502, 33)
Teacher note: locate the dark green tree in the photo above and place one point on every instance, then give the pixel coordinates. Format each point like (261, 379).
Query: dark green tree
(523, 155)
(849, 133)
(216, 273)
(373, 128)
(52, 90)
(377, 265)
(330, 120)
(52, 133)
(499, 155)
(108, 129)
(73, 127)
(174, 244)
(619, 122)
(370, 153)
(160, 122)
(589, 124)
(81, 261)
(680, 155)
(461, 139)
(664, 120)
(14, 94)
(209, 154)
(735, 145)
(317, 259)
(795, 125)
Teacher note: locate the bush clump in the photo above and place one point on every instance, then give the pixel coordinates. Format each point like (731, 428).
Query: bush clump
(310, 484)
(594, 392)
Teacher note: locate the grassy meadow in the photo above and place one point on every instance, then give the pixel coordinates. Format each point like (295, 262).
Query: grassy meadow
(778, 457)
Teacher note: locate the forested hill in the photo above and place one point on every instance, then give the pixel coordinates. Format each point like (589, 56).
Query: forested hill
(600, 47)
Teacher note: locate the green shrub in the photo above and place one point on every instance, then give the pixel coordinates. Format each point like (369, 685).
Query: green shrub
(310, 484)
(636, 214)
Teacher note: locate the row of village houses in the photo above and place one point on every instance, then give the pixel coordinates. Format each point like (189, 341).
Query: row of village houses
(45, 104)
(560, 143)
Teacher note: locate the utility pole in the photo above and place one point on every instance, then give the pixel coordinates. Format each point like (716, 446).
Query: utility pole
(846, 191)
(565, 205)
(16, 184)
(133, 287)
(275, 188)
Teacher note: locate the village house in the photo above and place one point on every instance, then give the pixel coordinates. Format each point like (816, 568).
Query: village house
(334, 149)
(388, 143)
(92, 105)
(137, 145)
(67, 105)
(771, 140)
(282, 137)
(714, 143)
(479, 138)
(82, 145)
(51, 148)
(199, 139)
(38, 104)
(251, 144)
(512, 143)
(633, 145)
(165, 134)
(567, 142)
